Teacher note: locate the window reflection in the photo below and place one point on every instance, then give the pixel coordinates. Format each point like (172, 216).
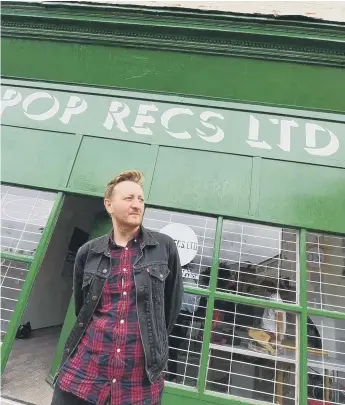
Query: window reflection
(326, 271)
(326, 360)
(24, 214)
(194, 235)
(185, 341)
(13, 275)
(256, 258)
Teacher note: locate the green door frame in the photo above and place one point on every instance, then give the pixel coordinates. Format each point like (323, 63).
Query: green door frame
(35, 263)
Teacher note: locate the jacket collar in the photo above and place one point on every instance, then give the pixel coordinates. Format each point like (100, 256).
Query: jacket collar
(101, 244)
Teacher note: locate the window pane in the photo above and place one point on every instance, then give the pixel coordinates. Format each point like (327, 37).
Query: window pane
(13, 275)
(255, 259)
(24, 214)
(185, 342)
(253, 353)
(326, 360)
(194, 236)
(326, 271)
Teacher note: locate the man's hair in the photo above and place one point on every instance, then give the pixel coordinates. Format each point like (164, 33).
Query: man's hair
(129, 175)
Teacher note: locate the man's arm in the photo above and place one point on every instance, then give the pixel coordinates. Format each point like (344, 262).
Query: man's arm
(78, 280)
(173, 288)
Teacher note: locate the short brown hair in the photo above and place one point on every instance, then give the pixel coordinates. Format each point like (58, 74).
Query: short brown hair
(129, 175)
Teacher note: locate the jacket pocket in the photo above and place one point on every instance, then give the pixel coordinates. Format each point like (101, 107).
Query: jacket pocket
(87, 279)
(158, 274)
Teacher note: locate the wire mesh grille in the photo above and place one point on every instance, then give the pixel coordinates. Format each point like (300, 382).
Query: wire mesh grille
(185, 344)
(326, 360)
(253, 353)
(13, 275)
(197, 249)
(24, 214)
(255, 257)
(326, 271)
(194, 236)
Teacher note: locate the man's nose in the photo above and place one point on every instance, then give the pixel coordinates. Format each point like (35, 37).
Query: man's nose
(136, 203)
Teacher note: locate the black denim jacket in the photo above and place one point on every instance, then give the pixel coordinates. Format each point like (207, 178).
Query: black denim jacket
(159, 290)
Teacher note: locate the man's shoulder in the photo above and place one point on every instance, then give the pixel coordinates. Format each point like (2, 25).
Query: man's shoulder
(161, 238)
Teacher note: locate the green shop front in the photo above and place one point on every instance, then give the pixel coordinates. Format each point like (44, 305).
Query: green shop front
(238, 125)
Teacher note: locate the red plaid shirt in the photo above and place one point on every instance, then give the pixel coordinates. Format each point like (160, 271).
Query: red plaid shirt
(109, 363)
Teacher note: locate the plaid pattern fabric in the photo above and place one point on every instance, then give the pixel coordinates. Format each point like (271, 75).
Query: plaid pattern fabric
(109, 363)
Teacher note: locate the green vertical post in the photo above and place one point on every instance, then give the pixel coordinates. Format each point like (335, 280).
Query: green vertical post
(210, 308)
(29, 282)
(65, 332)
(303, 338)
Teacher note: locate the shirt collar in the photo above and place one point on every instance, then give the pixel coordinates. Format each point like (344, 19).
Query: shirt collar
(101, 244)
(137, 237)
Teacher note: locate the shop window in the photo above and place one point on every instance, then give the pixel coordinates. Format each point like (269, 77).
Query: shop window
(194, 236)
(13, 275)
(24, 214)
(326, 271)
(185, 342)
(326, 360)
(326, 340)
(253, 353)
(255, 259)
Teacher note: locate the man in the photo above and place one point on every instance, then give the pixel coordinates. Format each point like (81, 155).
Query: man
(128, 293)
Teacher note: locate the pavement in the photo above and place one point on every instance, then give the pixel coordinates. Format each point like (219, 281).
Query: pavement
(4, 401)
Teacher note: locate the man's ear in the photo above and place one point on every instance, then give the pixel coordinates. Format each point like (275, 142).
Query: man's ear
(107, 205)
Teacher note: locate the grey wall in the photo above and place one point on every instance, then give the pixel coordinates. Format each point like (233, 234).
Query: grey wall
(51, 294)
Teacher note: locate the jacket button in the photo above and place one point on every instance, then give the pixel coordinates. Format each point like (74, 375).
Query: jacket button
(105, 271)
(67, 350)
(161, 275)
(81, 324)
(94, 298)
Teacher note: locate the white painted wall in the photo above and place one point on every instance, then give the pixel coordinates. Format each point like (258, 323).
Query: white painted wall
(326, 10)
(51, 294)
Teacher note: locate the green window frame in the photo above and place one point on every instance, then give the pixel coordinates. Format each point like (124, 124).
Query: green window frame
(301, 309)
(34, 263)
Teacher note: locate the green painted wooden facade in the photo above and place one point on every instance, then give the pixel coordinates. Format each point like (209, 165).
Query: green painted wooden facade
(278, 69)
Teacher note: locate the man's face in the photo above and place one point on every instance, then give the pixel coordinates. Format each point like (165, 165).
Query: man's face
(126, 205)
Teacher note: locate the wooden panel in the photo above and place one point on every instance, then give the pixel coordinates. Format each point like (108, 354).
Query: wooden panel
(304, 195)
(202, 181)
(37, 158)
(99, 160)
(241, 79)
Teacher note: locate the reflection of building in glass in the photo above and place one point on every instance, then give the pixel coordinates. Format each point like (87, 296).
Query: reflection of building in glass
(24, 213)
(251, 254)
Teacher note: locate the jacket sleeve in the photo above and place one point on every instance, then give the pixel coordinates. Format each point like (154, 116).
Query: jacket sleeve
(173, 288)
(78, 280)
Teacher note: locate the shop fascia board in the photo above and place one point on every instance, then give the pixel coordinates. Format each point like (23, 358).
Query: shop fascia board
(296, 39)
